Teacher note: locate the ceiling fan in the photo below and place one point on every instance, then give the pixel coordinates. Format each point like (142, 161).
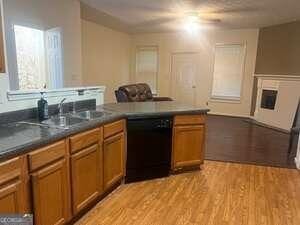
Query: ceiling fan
(197, 16)
(190, 17)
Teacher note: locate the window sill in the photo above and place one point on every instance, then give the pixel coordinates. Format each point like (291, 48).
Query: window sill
(225, 100)
(35, 94)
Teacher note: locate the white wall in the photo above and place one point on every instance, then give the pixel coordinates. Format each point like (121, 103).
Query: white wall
(204, 44)
(4, 81)
(98, 94)
(47, 14)
(105, 57)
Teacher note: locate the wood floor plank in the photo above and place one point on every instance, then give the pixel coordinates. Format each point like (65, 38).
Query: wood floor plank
(219, 194)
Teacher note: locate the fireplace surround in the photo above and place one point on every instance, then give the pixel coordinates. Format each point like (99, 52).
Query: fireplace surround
(276, 100)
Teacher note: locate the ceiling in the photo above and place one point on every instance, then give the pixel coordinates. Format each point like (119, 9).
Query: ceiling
(165, 15)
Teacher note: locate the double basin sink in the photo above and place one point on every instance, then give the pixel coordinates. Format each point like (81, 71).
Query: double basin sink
(67, 121)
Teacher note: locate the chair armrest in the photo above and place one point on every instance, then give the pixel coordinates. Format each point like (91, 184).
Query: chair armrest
(121, 96)
(162, 99)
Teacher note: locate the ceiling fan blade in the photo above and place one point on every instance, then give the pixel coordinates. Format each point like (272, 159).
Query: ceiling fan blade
(233, 11)
(156, 22)
(210, 20)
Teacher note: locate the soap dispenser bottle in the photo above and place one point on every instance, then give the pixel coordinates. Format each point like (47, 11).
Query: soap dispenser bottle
(43, 108)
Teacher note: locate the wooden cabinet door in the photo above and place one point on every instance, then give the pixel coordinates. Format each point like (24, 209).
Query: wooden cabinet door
(14, 193)
(10, 198)
(87, 176)
(50, 197)
(188, 144)
(113, 150)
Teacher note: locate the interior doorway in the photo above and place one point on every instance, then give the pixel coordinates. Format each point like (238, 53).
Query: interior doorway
(184, 71)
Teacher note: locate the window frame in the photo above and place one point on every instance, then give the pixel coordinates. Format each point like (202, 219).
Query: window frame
(229, 99)
(150, 47)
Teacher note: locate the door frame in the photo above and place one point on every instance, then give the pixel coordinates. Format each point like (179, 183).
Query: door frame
(171, 70)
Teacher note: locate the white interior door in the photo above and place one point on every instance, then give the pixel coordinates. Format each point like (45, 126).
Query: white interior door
(54, 58)
(184, 72)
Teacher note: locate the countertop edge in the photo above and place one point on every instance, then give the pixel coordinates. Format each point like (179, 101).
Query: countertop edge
(26, 148)
(84, 126)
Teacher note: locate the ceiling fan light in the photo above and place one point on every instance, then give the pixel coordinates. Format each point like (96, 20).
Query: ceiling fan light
(191, 24)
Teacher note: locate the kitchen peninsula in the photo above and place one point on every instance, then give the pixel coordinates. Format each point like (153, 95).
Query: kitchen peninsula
(58, 174)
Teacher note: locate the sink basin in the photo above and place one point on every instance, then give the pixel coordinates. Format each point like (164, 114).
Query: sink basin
(67, 121)
(63, 121)
(90, 115)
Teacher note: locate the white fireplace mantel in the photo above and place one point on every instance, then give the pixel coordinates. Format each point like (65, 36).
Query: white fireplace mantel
(288, 87)
(278, 77)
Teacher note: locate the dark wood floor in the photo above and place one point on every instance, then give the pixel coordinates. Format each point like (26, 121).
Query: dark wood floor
(232, 139)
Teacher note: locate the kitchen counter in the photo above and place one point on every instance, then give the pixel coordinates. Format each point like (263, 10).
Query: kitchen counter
(142, 109)
(17, 139)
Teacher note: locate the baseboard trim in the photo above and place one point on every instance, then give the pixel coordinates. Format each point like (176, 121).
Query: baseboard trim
(227, 114)
(254, 121)
(297, 162)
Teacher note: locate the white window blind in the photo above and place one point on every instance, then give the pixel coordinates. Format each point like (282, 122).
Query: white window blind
(147, 66)
(228, 71)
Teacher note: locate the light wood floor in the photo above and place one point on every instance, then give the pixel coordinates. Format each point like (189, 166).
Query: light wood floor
(220, 194)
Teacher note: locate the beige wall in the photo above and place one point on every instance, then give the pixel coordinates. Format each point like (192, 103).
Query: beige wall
(204, 44)
(279, 50)
(47, 14)
(105, 57)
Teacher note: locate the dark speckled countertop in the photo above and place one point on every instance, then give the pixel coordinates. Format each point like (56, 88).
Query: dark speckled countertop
(142, 109)
(17, 139)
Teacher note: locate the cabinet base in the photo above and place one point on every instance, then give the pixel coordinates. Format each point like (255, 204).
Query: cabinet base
(146, 173)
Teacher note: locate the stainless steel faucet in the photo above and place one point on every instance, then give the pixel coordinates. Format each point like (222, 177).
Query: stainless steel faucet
(60, 106)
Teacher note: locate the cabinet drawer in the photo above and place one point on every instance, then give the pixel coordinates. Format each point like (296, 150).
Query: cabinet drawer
(189, 119)
(46, 155)
(85, 139)
(10, 170)
(113, 128)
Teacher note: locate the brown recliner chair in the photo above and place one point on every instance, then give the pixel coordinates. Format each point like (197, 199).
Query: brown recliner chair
(137, 93)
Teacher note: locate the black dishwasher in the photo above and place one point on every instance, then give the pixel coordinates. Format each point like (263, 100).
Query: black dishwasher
(149, 144)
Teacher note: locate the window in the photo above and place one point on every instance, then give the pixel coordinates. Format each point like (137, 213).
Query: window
(39, 58)
(30, 57)
(147, 66)
(228, 71)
